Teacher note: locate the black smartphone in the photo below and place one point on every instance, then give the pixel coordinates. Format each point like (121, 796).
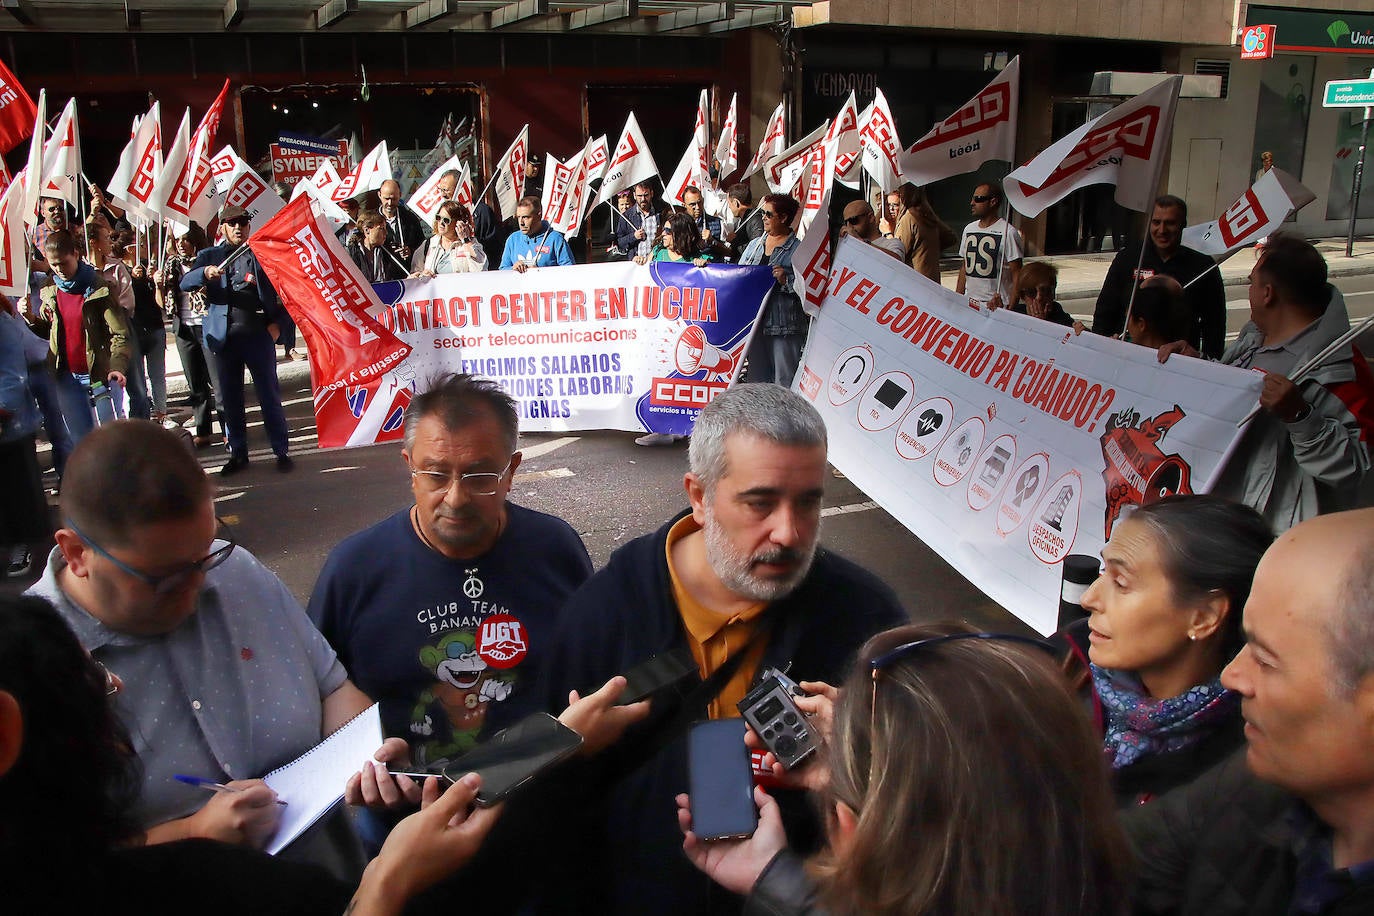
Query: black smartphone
(721, 780)
(656, 673)
(515, 755)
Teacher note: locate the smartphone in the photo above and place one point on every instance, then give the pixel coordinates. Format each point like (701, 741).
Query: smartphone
(515, 755)
(721, 780)
(657, 673)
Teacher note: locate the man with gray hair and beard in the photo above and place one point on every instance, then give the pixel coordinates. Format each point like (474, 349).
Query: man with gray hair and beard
(739, 582)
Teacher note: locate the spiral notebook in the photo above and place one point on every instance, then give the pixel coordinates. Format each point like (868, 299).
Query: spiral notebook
(314, 782)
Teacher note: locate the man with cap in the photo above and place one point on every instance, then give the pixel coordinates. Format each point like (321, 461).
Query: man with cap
(241, 327)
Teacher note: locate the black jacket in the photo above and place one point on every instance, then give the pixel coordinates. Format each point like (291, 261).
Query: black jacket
(1206, 299)
(625, 852)
(1222, 846)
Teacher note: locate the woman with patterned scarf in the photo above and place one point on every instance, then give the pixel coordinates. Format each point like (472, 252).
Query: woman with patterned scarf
(1164, 619)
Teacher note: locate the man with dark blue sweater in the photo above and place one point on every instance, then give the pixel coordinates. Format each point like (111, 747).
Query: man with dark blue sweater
(740, 571)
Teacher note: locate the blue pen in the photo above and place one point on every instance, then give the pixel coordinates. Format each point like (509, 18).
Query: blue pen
(210, 785)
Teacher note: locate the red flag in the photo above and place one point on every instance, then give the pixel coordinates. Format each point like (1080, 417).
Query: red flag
(16, 111)
(332, 305)
(192, 194)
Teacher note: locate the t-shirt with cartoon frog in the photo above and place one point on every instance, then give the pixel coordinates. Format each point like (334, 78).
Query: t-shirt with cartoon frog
(449, 648)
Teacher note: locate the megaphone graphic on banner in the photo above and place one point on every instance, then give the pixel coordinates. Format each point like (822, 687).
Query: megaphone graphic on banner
(694, 353)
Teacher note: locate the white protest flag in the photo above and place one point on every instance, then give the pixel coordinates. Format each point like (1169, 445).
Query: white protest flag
(983, 129)
(191, 196)
(727, 148)
(567, 213)
(464, 192)
(62, 158)
(879, 147)
(367, 175)
(1260, 211)
(1003, 441)
(429, 195)
(510, 173)
(693, 168)
(556, 175)
(34, 169)
(320, 187)
(630, 164)
(784, 170)
(844, 132)
(14, 243)
(173, 164)
(139, 166)
(1126, 147)
(598, 157)
(774, 142)
(240, 186)
(812, 257)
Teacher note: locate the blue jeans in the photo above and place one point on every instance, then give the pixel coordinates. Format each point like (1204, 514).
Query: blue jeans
(775, 359)
(153, 344)
(74, 394)
(44, 388)
(255, 351)
(136, 381)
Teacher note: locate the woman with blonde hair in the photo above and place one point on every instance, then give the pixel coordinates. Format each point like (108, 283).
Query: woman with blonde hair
(963, 778)
(921, 231)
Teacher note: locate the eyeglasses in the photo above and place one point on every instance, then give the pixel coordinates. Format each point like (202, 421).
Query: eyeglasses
(481, 483)
(854, 220)
(170, 582)
(982, 198)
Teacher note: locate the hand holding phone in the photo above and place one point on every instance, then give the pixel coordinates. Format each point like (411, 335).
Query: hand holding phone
(514, 756)
(735, 864)
(721, 780)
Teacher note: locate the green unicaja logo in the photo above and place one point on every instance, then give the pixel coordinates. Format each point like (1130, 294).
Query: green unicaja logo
(1338, 29)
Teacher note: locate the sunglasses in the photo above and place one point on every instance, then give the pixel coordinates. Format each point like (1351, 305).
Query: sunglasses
(169, 582)
(768, 214)
(237, 221)
(442, 221)
(982, 198)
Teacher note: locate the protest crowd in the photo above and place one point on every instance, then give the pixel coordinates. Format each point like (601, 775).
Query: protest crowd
(727, 717)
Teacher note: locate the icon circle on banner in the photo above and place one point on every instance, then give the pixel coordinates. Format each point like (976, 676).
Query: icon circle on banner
(924, 428)
(853, 368)
(1054, 520)
(885, 400)
(1024, 486)
(502, 641)
(990, 471)
(954, 460)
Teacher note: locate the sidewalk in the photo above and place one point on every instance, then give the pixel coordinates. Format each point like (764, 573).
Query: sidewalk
(1080, 275)
(290, 373)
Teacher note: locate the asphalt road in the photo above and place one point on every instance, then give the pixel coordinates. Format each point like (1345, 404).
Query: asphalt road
(609, 489)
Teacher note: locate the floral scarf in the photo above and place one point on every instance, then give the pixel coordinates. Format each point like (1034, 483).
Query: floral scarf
(1140, 726)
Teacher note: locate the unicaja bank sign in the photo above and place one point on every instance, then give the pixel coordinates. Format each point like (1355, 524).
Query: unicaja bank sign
(1329, 31)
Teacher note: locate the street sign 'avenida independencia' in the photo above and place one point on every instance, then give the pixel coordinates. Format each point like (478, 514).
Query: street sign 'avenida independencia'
(1349, 94)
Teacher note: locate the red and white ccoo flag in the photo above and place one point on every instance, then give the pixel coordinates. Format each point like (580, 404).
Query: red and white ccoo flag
(630, 164)
(598, 157)
(813, 254)
(844, 131)
(14, 243)
(367, 175)
(34, 168)
(784, 170)
(1260, 211)
(693, 169)
(1126, 147)
(983, 129)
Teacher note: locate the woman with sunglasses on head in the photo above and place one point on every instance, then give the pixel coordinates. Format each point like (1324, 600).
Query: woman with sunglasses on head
(1164, 619)
(775, 351)
(453, 248)
(961, 778)
(69, 780)
(681, 242)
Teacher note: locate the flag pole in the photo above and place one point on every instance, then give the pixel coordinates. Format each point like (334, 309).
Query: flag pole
(1140, 261)
(1316, 362)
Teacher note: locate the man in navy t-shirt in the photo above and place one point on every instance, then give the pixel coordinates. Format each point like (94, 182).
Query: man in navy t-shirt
(444, 612)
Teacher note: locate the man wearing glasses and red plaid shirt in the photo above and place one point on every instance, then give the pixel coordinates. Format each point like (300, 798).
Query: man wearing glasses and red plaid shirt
(224, 676)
